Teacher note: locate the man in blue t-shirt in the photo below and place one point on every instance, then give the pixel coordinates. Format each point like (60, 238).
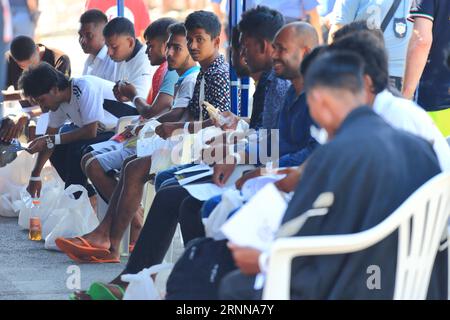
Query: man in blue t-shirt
(425, 67)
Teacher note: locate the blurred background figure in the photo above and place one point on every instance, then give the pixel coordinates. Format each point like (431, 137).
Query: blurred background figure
(135, 10)
(25, 15)
(5, 38)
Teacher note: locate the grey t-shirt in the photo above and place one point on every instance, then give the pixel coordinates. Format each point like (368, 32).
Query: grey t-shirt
(374, 11)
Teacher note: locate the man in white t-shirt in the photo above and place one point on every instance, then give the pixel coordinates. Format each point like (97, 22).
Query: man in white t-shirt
(133, 65)
(92, 42)
(78, 100)
(127, 195)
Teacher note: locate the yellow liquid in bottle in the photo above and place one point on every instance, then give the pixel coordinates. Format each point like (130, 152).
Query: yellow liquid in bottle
(35, 235)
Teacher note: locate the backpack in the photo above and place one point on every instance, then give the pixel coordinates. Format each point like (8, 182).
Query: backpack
(199, 271)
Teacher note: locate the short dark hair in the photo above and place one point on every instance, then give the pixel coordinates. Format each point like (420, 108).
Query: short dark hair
(356, 26)
(261, 22)
(119, 26)
(373, 52)
(22, 48)
(310, 57)
(204, 20)
(40, 79)
(158, 29)
(337, 70)
(93, 16)
(177, 29)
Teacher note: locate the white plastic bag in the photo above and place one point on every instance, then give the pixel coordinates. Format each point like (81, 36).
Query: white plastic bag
(75, 218)
(141, 285)
(13, 178)
(231, 200)
(51, 193)
(145, 140)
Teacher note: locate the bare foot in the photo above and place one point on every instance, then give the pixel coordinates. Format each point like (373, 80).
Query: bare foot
(95, 240)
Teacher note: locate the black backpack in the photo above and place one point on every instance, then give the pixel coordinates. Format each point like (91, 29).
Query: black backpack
(198, 272)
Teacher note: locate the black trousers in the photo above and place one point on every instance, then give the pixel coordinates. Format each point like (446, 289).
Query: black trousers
(66, 158)
(238, 286)
(172, 205)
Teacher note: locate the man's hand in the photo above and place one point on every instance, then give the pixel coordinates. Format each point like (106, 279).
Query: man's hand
(290, 182)
(127, 90)
(12, 129)
(246, 259)
(222, 173)
(117, 93)
(247, 176)
(166, 130)
(38, 145)
(226, 121)
(34, 188)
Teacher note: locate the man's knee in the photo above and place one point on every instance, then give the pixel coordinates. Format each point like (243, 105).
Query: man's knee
(93, 168)
(137, 170)
(85, 161)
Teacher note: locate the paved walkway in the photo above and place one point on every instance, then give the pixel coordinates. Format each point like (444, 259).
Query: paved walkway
(28, 271)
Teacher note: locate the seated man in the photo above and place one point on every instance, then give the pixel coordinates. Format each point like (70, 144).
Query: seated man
(99, 164)
(127, 194)
(92, 41)
(366, 160)
(132, 64)
(173, 204)
(25, 53)
(78, 99)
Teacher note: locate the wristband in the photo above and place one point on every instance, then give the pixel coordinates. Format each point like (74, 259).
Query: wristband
(134, 100)
(263, 259)
(237, 156)
(57, 139)
(35, 178)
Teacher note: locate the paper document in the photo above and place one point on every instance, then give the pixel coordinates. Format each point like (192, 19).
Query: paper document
(257, 222)
(199, 167)
(42, 124)
(204, 191)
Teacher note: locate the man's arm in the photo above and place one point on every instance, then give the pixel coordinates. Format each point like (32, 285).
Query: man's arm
(334, 28)
(417, 54)
(314, 20)
(173, 115)
(162, 103)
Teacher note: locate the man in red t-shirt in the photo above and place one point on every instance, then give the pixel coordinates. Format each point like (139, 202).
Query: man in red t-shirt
(135, 10)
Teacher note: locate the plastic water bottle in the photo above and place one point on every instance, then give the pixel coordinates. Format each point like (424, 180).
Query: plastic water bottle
(35, 233)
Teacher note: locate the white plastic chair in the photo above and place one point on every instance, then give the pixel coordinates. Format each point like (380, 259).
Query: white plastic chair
(427, 209)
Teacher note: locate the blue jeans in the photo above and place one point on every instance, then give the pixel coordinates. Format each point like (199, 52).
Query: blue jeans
(167, 177)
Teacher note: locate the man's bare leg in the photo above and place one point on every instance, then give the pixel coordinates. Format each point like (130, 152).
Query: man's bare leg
(99, 237)
(136, 174)
(104, 183)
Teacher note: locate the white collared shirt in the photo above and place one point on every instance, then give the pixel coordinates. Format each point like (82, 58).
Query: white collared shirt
(406, 115)
(100, 65)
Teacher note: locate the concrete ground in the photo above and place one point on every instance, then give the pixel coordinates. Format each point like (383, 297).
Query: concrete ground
(29, 272)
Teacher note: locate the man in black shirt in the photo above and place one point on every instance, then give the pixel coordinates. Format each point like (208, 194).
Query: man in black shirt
(24, 53)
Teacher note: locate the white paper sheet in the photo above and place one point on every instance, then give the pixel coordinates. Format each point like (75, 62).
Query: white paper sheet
(204, 191)
(42, 124)
(257, 222)
(187, 180)
(198, 167)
